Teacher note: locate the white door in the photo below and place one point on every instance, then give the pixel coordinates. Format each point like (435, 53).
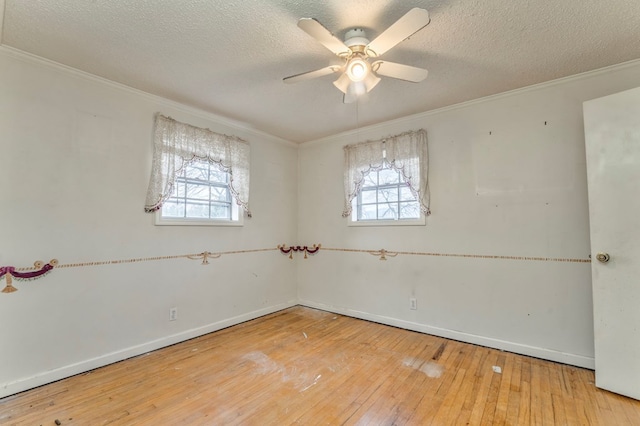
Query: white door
(612, 134)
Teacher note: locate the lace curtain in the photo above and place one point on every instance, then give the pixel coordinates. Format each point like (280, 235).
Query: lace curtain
(406, 153)
(177, 144)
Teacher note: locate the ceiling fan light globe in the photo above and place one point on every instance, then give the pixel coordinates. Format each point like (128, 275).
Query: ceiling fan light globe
(356, 88)
(371, 81)
(357, 69)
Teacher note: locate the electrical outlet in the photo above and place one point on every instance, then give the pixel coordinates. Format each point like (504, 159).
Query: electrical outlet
(173, 314)
(413, 303)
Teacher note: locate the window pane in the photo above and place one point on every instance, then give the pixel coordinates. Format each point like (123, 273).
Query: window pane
(388, 176)
(410, 210)
(368, 196)
(219, 193)
(171, 208)
(198, 192)
(405, 194)
(199, 172)
(388, 194)
(371, 179)
(199, 210)
(178, 189)
(219, 211)
(367, 212)
(387, 211)
(216, 175)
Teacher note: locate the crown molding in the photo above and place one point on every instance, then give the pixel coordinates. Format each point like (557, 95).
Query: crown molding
(47, 63)
(410, 119)
(37, 60)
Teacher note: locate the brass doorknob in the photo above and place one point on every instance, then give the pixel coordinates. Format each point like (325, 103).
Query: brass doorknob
(603, 257)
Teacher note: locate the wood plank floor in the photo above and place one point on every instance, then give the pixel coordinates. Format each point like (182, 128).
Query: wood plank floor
(304, 366)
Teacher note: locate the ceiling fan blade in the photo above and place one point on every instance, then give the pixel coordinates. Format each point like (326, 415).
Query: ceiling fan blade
(316, 30)
(342, 83)
(311, 74)
(403, 28)
(399, 71)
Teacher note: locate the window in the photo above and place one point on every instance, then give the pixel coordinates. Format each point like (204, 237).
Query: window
(198, 177)
(200, 195)
(385, 181)
(385, 196)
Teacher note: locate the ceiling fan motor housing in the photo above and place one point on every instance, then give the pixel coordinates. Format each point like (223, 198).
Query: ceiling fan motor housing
(356, 39)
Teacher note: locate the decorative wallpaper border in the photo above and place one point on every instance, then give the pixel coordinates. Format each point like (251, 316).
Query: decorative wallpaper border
(204, 256)
(307, 250)
(384, 254)
(40, 269)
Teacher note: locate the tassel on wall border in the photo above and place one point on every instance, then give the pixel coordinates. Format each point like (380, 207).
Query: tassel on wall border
(10, 272)
(284, 249)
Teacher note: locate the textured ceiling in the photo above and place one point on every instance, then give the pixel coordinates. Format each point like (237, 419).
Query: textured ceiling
(229, 57)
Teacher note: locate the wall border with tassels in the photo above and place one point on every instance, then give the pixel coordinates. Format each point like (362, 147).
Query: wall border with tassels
(40, 269)
(384, 254)
(306, 249)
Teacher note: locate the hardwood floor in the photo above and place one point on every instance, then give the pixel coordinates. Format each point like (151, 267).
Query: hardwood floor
(303, 366)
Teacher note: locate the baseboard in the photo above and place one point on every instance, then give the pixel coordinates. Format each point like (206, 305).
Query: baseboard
(21, 385)
(40, 379)
(547, 354)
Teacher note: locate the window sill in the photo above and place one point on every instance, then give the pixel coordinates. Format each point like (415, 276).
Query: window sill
(403, 222)
(160, 221)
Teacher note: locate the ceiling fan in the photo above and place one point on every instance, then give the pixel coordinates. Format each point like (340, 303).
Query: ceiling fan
(359, 74)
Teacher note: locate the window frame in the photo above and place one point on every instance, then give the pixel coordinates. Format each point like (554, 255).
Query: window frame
(236, 213)
(356, 203)
(175, 143)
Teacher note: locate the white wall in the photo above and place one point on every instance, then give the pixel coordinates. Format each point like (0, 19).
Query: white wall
(75, 160)
(508, 178)
(75, 154)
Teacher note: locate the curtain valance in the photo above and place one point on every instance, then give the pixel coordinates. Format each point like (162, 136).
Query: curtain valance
(406, 153)
(177, 144)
